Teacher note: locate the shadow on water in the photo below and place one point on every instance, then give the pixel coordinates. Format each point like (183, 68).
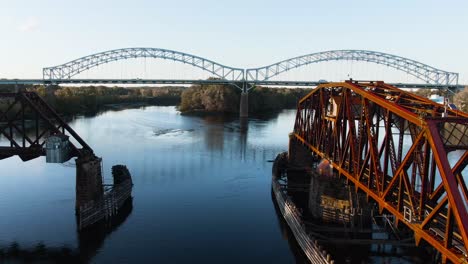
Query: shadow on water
(217, 125)
(89, 243)
(265, 116)
(345, 251)
(288, 235)
(228, 117)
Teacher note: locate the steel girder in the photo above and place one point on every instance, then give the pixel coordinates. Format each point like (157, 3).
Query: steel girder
(74, 67)
(26, 121)
(420, 70)
(394, 146)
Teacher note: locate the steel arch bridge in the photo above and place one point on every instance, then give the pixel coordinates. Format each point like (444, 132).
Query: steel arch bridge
(417, 69)
(74, 67)
(260, 75)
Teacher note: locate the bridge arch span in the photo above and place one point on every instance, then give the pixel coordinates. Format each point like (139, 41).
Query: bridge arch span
(417, 69)
(74, 67)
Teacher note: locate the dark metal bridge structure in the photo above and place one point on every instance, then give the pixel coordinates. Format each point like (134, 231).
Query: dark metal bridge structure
(394, 146)
(27, 120)
(28, 124)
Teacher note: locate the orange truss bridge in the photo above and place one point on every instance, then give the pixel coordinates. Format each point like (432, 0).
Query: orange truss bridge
(405, 152)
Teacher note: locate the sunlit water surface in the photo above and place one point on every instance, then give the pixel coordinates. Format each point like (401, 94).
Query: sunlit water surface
(202, 192)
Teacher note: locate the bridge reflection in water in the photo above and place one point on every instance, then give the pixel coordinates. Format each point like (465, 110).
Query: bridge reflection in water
(90, 241)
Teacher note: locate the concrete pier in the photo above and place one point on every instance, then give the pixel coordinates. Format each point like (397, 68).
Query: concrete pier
(244, 124)
(88, 180)
(50, 96)
(299, 156)
(244, 104)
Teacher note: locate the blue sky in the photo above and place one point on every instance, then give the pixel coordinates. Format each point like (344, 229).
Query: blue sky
(239, 33)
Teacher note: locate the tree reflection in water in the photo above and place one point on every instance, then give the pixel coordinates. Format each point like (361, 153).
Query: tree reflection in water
(90, 241)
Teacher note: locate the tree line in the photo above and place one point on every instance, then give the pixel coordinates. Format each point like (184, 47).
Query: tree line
(204, 97)
(226, 98)
(460, 98)
(92, 99)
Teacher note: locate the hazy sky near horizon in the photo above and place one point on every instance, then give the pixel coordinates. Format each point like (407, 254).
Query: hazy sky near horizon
(36, 34)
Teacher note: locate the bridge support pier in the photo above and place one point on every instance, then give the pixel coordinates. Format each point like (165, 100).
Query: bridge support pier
(50, 96)
(88, 180)
(244, 124)
(244, 104)
(299, 156)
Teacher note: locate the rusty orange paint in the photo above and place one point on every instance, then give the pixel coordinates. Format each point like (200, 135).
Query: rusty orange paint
(320, 128)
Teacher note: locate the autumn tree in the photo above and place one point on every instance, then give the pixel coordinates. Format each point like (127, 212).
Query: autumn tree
(461, 99)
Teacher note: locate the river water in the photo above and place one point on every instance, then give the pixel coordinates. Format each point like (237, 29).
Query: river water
(202, 193)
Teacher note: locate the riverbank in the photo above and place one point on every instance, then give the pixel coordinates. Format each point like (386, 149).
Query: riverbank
(197, 99)
(90, 100)
(226, 99)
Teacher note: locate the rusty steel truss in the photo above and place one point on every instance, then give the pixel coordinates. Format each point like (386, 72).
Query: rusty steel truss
(26, 121)
(405, 152)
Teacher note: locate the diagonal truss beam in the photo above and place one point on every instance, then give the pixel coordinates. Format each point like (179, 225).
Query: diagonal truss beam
(424, 72)
(423, 189)
(26, 121)
(74, 67)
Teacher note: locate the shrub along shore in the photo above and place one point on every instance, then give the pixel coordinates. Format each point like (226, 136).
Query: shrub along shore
(204, 98)
(89, 100)
(226, 99)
